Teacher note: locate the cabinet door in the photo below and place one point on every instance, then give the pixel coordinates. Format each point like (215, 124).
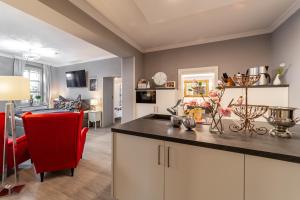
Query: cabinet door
(143, 109)
(138, 168)
(269, 179)
(196, 173)
(165, 99)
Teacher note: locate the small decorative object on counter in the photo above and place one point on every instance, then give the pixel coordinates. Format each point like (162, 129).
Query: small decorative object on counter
(176, 121)
(170, 84)
(280, 71)
(143, 83)
(227, 80)
(247, 113)
(282, 118)
(189, 123)
(213, 104)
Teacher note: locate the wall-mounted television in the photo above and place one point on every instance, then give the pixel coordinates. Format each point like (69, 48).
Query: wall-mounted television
(76, 78)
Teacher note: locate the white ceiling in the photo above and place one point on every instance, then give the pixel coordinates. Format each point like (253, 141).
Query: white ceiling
(20, 33)
(152, 25)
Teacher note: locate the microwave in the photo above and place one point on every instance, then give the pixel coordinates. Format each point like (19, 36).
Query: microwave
(146, 96)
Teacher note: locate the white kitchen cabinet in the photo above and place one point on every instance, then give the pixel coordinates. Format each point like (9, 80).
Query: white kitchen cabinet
(269, 179)
(138, 168)
(196, 173)
(165, 98)
(143, 109)
(147, 169)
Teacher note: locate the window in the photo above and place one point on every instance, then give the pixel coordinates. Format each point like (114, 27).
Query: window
(35, 76)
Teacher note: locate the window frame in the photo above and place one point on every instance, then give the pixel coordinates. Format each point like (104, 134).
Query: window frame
(29, 68)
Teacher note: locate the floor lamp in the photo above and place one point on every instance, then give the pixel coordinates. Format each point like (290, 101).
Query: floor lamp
(11, 88)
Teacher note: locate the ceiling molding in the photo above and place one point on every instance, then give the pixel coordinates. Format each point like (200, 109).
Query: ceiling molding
(90, 10)
(287, 14)
(208, 40)
(86, 61)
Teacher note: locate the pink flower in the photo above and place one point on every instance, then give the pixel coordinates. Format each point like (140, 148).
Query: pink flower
(220, 83)
(240, 100)
(205, 104)
(225, 111)
(215, 99)
(213, 93)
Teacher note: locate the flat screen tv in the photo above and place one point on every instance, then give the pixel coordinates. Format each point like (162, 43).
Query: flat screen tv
(76, 78)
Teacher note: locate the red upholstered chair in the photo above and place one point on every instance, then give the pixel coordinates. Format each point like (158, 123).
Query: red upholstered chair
(22, 152)
(56, 140)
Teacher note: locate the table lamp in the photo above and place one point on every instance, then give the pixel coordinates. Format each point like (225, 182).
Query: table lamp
(94, 103)
(11, 88)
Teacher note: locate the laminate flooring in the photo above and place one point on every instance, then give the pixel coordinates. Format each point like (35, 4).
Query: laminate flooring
(91, 181)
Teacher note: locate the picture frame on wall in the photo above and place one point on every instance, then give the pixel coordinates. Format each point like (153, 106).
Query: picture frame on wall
(196, 88)
(93, 84)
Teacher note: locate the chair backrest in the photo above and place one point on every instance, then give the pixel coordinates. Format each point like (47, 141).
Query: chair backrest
(53, 139)
(2, 122)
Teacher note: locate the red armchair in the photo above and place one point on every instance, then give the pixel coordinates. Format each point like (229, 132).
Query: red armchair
(22, 152)
(56, 140)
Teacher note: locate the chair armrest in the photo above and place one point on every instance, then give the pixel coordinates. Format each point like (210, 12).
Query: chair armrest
(83, 134)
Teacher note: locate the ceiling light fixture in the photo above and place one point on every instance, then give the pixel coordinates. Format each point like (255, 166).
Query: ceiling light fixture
(29, 50)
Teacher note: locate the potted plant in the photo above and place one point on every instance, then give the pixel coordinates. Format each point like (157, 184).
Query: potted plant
(280, 71)
(38, 99)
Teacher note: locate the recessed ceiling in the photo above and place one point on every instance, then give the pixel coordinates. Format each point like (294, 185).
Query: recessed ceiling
(22, 34)
(164, 24)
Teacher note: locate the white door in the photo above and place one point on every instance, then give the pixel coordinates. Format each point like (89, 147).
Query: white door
(165, 99)
(138, 168)
(108, 101)
(196, 173)
(269, 179)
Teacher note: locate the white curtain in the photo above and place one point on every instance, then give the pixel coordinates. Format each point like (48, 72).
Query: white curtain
(19, 66)
(47, 79)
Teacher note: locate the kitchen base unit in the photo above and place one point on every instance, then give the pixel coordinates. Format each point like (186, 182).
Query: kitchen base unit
(269, 179)
(150, 169)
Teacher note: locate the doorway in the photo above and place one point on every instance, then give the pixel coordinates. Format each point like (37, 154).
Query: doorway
(112, 100)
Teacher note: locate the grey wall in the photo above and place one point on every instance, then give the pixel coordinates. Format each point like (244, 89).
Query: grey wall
(231, 56)
(286, 48)
(128, 92)
(103, 68)
(6, 69)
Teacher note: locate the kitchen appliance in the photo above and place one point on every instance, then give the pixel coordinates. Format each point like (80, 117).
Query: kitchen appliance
(265, 77)
(146, 96)
(261, 71)
(189, 123)
(282, 118)
(173, 110)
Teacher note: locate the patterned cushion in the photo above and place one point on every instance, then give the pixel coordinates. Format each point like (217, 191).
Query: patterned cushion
(68, 104)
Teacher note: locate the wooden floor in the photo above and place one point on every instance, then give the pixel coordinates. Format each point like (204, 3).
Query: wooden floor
(92, 178)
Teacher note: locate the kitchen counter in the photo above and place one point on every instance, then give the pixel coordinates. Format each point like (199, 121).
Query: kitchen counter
(257, 145)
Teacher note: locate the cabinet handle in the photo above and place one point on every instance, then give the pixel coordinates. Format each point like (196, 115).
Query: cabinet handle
(169, 148)
(158, 156)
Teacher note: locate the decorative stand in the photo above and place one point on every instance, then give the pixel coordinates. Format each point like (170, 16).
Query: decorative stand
(247, 113)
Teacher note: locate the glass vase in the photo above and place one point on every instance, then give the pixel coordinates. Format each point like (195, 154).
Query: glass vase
(216, 125)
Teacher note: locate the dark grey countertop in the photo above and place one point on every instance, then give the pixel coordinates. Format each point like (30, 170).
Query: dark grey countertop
(257, 145)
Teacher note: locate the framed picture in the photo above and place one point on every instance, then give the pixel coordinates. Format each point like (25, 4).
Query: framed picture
(93, 84)
(195, 88)
(170, 84)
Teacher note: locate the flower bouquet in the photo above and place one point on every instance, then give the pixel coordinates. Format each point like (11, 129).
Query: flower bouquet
(213, 104)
